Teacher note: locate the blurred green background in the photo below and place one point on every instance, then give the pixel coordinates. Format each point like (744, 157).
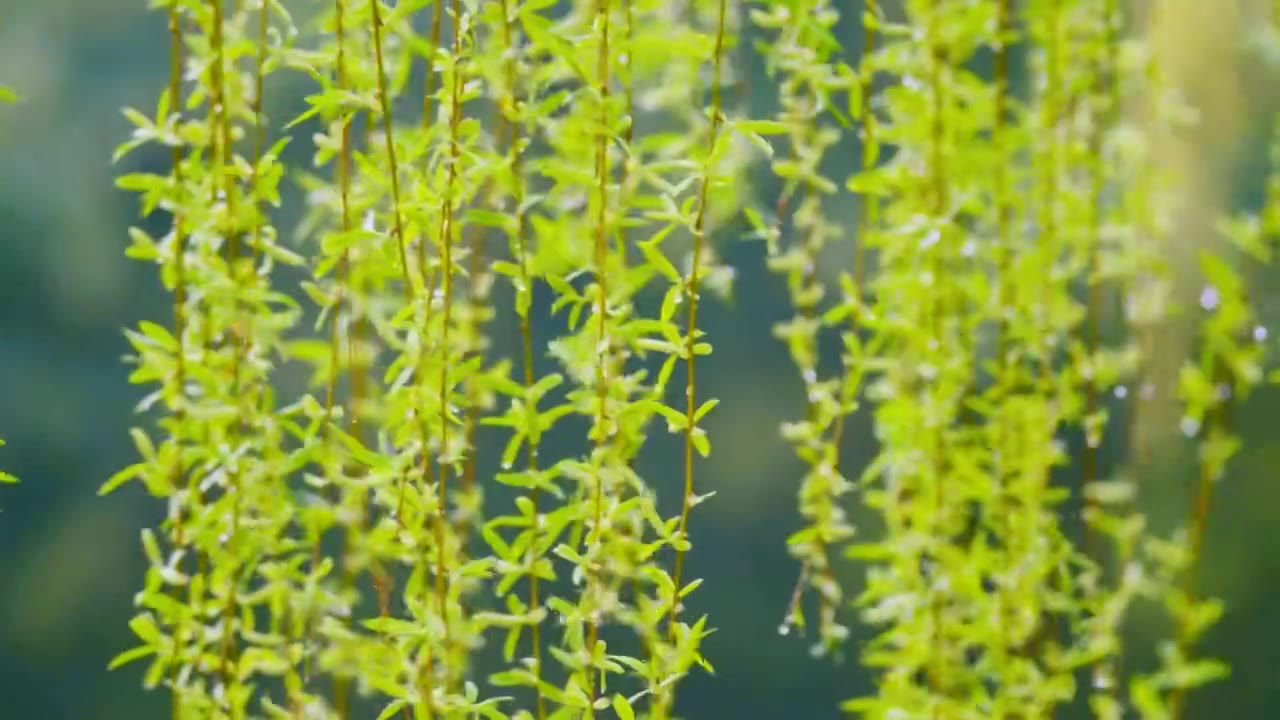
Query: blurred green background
(70, 561)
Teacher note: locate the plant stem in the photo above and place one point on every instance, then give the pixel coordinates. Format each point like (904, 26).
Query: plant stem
(446, 241)
(699, 239)
(176, 40)
(602, 309)
(525, 290)
(219, 98)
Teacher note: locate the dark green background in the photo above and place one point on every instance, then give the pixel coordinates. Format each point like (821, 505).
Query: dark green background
(70, 561)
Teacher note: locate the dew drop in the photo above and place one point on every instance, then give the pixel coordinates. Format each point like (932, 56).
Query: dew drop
(1260, 333)
(784, 629)
(1190, 426)
(1120, 392)
(1209, 297)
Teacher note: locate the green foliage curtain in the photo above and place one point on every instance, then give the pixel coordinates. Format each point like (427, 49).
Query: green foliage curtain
(1021, 177)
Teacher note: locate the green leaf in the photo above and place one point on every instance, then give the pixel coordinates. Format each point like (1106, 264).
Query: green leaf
(143, 444)
(393, 626)
(561, 286)
(622, 706)
(762, 127)
(700, 442)
(121, 478)
(509, 645)
(151, 547)
(660, 262)
(690, 587)
(480, 216)
(129, 656)
(392, 709)
(706, 408)
(159, 334)
(676, 420)
(144, 626)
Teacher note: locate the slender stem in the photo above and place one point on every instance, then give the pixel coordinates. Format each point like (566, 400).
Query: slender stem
(602, 309)
(691, 331)
(341, 685)
(699, 239)
(1217, 424)
(382, 581)
(428, 97)
(429, 464)
(867, 220)
(227, 189)
(446, 241)
(176, 40)
(393, 170)
(626, 184)
(524, 300)
(801, 284)
(397, 226)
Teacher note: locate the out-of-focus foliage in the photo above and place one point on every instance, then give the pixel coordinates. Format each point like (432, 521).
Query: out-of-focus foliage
(4, 476)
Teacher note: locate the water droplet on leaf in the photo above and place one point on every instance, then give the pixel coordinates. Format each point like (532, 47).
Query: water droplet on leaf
(1190, 426)
(1209, 297)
